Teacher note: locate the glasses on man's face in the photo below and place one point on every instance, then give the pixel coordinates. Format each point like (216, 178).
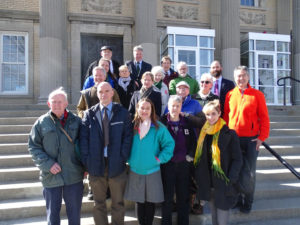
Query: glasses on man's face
(205, 81)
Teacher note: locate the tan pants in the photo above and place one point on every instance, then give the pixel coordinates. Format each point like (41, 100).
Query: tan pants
(99, 187)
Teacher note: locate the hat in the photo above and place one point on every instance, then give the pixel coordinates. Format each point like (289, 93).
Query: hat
(183, 83)
(105, 47)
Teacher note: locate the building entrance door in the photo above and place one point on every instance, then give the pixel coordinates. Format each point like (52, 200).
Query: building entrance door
(90, 49)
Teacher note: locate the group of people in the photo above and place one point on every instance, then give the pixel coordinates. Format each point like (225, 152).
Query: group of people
(150, 135)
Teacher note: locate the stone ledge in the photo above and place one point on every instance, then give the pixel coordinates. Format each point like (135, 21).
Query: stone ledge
(17, 14)
(75, 17)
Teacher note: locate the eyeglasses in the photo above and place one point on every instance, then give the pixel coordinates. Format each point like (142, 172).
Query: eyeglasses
(206, 81)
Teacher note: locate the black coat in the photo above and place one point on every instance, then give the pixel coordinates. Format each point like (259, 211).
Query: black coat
(226, 86)
(231, 162)
(116, 66)
(154, 96)
(125, 96)
(133, 73)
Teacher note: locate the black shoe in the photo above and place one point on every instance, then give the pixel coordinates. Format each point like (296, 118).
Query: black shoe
(90, 195)
(246, 208)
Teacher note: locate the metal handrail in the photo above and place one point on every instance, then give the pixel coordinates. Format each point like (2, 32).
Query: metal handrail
(284, 86)
(283, 162)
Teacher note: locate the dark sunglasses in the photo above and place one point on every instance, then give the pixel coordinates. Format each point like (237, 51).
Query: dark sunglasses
(206, 82)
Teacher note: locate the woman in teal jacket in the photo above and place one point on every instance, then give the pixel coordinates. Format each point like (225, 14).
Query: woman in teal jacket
(152, 145)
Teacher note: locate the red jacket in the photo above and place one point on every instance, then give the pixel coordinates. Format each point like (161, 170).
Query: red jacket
(247, 113)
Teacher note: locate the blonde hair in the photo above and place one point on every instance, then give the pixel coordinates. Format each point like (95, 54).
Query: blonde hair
(212, 105)
(148, 74)
(123, 67)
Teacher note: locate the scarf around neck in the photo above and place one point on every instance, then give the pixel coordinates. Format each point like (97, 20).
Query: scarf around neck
(158, 84)
(146, 92)
(214, 130)
(124, 82)
(144, 128)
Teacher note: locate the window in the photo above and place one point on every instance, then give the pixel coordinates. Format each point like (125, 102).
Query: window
(13, 63)
(247, 2)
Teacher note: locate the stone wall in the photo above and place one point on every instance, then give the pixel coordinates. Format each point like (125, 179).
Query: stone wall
(24, 5)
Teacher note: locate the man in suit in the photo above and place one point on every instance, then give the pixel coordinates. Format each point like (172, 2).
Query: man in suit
(138, 67)
(106, 53)
(221, 86)
(170, 74)
(105, 145)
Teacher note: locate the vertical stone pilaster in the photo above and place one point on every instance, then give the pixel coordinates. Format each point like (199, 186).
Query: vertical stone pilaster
(53, 46)
(145, 28)
(215, 21)
(296, 50)
(283, 16)
(230, 36)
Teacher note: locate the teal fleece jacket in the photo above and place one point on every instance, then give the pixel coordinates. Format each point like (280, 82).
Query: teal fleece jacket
(155, 148)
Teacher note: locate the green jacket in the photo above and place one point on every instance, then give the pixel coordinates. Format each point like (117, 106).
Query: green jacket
(48, 144)
(194, 86)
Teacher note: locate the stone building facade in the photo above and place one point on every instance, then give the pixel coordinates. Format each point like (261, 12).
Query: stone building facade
(48, 43)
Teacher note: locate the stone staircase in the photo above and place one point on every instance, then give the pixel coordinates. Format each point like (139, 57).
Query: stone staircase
(277, 198)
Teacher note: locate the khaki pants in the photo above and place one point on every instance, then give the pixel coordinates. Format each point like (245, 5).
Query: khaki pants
(99, 187)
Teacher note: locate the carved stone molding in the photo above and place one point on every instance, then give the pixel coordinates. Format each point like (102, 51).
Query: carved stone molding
(180, 12)
(105, 6)
(253, 18)
(196, 2)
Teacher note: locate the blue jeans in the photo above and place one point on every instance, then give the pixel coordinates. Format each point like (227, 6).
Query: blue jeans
(72, 195)
(249, 151)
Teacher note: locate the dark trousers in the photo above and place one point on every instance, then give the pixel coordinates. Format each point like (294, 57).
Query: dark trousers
(145, 212)
(72, 195)
(249, 151)
(176, 178)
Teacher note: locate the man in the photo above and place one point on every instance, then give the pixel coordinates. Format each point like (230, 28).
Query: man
(51, 144)
(106, 53)
(170, 74)
(221, 86)
(138, 67)
(105, 144)
(89, 96)
(246, 112)
(183, 76)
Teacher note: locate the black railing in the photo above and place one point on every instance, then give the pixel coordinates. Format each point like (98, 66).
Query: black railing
(285, 163)
(284, 86)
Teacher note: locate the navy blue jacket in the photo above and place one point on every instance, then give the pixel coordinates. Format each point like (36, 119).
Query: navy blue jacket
(133, 72)
(92, 140)
(226, 86)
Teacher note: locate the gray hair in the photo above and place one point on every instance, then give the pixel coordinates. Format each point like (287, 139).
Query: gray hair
(207, 76)
(58, 91)
(101, 84)
(244, 68)
(158, 69)
(175, 98)
(181, 63)
(138, 48)
(98, 68)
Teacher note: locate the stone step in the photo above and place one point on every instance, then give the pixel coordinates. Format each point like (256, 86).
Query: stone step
(13, 148)
(284, 110)
(22, 113)
(286, 131)
(19, 174)
(282, 140)
(283, 175)
(12, 129)
(20, 190)
(284, 125)
(28, 107)
(284, 118)
(281, 150)
(18, 121)
(14, 138)
(285, 221)
(16, 161)
(36, 208)
(271, 161)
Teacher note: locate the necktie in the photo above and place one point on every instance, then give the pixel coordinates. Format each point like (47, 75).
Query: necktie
(138, 67)
(105, 126)
(217, 92)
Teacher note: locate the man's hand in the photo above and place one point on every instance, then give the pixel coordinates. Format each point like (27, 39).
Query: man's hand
(258, 143)
(55, 169)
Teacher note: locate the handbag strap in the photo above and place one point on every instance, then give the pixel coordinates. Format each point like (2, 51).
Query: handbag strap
(65, 132)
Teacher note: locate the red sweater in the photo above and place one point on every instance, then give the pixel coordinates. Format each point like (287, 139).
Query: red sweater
(247, 113)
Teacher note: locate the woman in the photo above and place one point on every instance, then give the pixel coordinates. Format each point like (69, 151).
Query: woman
(152, 145)
(147, 91)
(159, 75)
(126, 86)
(205, 95)
(218, 161)
(176, 172)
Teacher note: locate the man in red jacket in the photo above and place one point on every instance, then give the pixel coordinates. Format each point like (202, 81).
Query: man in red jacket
(245, 111)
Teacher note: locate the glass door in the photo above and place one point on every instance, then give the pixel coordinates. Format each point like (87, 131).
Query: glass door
(265, 76)
(188, 55)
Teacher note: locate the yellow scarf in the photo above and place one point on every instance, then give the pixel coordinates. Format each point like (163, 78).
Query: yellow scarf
(216, 161)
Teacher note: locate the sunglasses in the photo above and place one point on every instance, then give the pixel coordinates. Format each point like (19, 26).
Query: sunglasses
(206, 82)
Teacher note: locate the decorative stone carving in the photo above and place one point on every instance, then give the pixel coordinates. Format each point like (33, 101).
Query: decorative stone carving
(253, 18)
(183, 1)
(180, 12)
(105, 6)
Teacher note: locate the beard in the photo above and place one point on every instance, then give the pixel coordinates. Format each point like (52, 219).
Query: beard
(217, 74)
(182, 75)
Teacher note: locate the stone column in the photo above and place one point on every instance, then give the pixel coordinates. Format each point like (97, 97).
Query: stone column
(145, 29)
(296, 50)
(230, 39)
(53, 46)
(283, 16)
(215, 18)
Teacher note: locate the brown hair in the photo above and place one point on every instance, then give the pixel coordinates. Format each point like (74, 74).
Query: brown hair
(137, 119)
(148, 74)
(105, 60)
(166, 57)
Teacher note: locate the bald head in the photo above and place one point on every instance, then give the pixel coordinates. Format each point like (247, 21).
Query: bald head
(105, 93)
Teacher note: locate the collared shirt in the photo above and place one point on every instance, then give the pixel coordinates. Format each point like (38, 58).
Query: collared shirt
(219, 80)
(140, 63)
(109, 114)
(111, 66)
